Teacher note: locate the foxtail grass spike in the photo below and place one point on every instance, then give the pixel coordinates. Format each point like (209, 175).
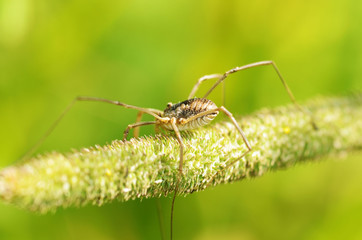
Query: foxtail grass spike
(148, 167)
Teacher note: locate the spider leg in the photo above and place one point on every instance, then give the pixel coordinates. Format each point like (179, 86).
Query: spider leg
(229, 114)
(263, 63)
(136, 131)
(154, 112)
(138, 119)
(179, 139)
(135, 125)
(200, 80)
(157, 129)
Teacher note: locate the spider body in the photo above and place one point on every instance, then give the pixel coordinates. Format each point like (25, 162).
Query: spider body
(184, 114)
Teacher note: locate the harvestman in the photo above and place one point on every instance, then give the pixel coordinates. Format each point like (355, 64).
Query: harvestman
(189, 114)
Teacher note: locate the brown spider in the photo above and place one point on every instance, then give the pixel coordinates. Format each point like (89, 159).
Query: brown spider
(189, 114)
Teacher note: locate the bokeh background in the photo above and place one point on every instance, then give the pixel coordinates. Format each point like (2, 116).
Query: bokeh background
(148, 53)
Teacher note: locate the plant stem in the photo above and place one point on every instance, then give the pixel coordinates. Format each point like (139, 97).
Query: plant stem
(148, 166)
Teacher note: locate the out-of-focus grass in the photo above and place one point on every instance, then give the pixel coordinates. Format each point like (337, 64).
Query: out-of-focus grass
(148, 53)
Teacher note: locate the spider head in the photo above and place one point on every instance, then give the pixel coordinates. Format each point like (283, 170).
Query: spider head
(169, 105)
(169, 109)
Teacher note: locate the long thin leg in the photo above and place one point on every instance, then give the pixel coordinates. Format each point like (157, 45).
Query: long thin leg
(200, 80)
(262, 63)
(135, 125)
(136, 131)
(47, 133)
(154, 112)
(229, 114)
(179, 139)
(157, 129)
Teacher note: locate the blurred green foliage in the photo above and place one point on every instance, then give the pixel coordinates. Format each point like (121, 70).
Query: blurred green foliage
(148, 53)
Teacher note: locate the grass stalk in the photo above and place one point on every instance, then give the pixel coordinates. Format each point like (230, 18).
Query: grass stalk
(148, 167)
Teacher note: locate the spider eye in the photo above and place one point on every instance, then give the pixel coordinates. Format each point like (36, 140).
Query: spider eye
(169, 105)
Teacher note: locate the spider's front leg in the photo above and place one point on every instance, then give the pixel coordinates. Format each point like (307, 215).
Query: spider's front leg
(179, 139)
(135, 125)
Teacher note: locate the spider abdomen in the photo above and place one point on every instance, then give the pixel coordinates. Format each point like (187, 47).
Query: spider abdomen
(185, 112)
(198, 122)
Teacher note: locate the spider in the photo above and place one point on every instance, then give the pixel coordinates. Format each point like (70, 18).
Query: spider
(186, 115)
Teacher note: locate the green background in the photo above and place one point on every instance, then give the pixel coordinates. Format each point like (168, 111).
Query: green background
(148, 53)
